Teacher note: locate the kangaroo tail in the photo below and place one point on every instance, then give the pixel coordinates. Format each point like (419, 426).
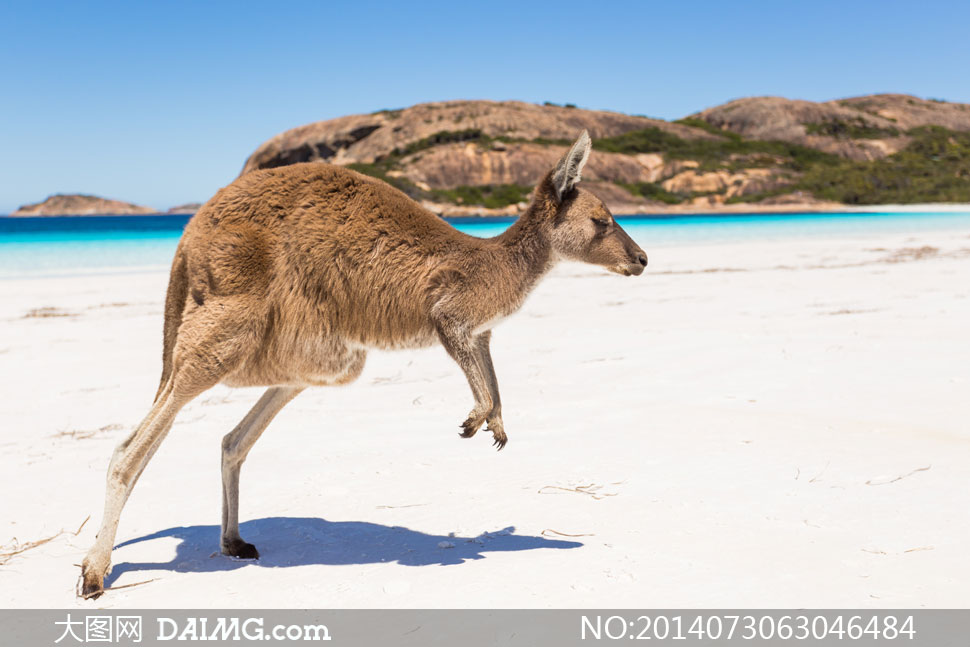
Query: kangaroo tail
(178, 290)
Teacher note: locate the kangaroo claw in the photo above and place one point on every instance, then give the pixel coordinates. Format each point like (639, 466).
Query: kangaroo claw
(470, 427)
(499, 438)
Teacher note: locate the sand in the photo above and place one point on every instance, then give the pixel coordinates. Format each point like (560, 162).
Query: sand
(764, 424)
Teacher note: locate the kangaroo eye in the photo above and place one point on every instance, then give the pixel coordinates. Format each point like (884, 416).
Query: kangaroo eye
(601, 222)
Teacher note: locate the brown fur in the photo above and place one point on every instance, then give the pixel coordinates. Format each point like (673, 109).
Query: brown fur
(287, 277)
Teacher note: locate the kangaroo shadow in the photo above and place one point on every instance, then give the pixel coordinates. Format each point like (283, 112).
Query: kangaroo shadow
(301, 541)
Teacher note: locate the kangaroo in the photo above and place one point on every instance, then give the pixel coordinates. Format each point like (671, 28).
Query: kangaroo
(288, 276)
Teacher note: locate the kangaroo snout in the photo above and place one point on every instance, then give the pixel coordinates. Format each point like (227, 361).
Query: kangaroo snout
(638, 262)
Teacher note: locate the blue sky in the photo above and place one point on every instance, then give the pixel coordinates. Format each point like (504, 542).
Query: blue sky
(160, 103)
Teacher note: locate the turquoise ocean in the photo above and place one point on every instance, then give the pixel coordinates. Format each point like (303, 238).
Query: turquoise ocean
(73, 245)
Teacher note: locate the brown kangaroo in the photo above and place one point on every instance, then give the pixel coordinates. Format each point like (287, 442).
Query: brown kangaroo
(287, 276)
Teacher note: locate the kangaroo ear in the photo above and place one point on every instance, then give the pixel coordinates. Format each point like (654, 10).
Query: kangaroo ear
(570, 167)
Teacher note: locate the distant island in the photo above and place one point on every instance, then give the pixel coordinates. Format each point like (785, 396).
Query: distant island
(755, 154)
(80, 205)
(187, 208)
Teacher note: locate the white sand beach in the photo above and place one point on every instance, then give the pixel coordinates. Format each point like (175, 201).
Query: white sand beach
(763, 424)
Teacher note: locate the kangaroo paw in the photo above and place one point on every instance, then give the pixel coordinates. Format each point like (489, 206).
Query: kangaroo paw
(92, 586)
(498, 436)
(470, 427)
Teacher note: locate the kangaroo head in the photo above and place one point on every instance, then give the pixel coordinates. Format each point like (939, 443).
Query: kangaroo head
(583, 229)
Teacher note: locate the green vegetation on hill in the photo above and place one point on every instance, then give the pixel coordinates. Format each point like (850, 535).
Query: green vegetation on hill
(467, 135)
(713, 153)
(850, 129)
(441, 137)
(653, 191)
(492, 196)
(694, 122)
(390, 113)
(935, 167)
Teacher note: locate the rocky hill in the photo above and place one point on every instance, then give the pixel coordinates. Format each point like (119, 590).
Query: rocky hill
(80, 205)
(459, 156)
(484, 156)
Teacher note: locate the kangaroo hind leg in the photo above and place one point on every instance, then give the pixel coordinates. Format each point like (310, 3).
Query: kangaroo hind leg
(127, 463)
(207, 350)
(235, 447)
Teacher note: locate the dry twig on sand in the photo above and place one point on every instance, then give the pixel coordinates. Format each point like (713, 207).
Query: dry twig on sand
(882, 480)
(16, 548)
(86, 433)
(81, 527)
(563, 534)
(592, 490)
(817, 476)
(128, 586)
(47, 311)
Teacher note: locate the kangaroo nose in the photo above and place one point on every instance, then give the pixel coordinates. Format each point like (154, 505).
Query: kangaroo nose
(642, 258)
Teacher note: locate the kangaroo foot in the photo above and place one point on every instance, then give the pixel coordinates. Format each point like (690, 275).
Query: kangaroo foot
(470, 427)
(498, 434)
(239, 548)
(92, 583)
